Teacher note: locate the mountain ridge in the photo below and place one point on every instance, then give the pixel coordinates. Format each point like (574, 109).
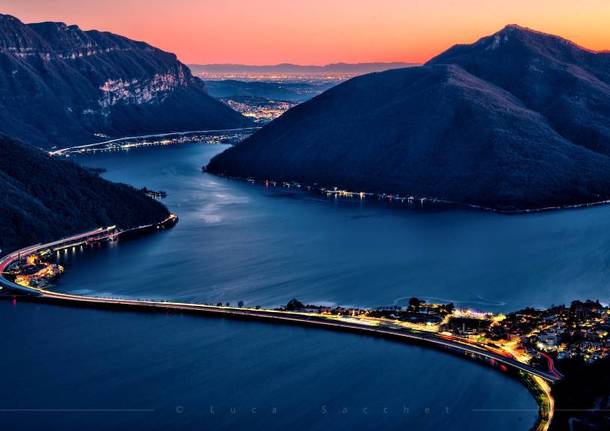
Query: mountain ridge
(61, 86)
(339, 67)
(459, 128)
(545, 64)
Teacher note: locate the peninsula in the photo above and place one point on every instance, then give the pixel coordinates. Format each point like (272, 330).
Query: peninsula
(516, 121)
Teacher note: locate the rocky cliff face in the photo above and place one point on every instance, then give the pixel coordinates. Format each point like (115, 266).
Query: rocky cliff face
(62, 86)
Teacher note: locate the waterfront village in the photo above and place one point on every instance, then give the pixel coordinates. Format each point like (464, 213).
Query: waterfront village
(34, 270)
(259, 109)
(126, 144)
(578, 331)
(336, 193)
(534, 336)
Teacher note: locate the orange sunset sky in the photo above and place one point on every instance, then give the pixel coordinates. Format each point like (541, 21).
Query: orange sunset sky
(319, 31)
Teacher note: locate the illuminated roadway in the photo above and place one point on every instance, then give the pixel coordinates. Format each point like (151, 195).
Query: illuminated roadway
(304, 318)
(301, 318)
(334, 322)
(64, 151)
(5, 261)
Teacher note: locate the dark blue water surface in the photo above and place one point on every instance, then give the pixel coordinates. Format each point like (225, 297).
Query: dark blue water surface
(236, 241)
(126, 371)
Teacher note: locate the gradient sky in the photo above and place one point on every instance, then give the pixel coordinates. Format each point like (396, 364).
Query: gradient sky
(319, 31)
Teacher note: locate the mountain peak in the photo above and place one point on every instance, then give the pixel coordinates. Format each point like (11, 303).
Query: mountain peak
(517, 30)
(520, 121)
(5, 17)
(12, 20)
(533, 35)
(9, 21)
(57, 25)
(519, 44)
(517, 27)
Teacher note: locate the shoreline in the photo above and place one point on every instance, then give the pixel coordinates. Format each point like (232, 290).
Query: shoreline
(536, 386)
(66, 151)
(533, 379)
(410, 202)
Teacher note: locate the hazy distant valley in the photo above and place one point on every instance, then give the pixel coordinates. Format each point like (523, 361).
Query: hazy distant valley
(263, 93)
(264, 101)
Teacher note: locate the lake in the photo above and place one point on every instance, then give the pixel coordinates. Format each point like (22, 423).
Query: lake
(68, 368)
(237, 241)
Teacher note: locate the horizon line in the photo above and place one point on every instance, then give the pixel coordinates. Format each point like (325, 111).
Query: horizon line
(320, 65)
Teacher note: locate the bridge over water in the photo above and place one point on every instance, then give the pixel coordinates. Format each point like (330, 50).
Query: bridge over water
(277, 316)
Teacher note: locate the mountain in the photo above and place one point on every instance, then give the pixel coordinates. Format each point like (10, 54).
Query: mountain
(289, 68)
(62, 86)
(42, 198)
(567, 84)
(285, 91)
(517, 120)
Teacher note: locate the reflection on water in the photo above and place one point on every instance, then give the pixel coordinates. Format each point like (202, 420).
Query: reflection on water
(67, 368)
(237, 241)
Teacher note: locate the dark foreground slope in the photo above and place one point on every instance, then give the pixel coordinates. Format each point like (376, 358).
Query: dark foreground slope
(582, 398)
(43, 199)
(452, 129)
(62, 86)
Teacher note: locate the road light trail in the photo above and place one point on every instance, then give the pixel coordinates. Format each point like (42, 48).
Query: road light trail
(346, 323)
(67, 150)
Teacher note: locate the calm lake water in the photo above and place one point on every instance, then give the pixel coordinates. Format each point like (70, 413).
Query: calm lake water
(236, 241)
